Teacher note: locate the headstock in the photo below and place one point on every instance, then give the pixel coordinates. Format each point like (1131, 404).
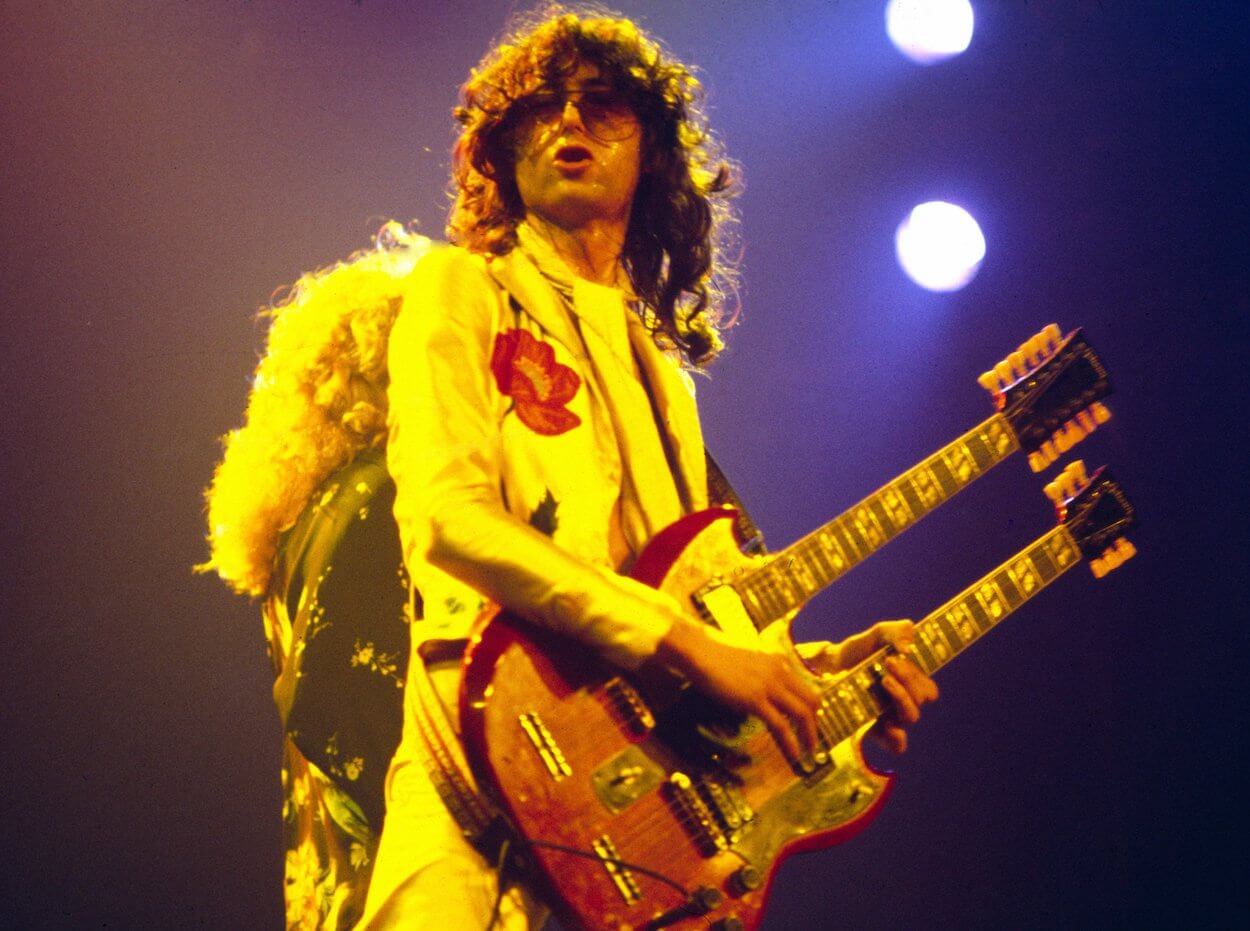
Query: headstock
(1050, 390)
(1096, 512)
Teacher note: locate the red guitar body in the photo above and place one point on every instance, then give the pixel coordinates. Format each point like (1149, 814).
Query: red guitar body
(614, 779)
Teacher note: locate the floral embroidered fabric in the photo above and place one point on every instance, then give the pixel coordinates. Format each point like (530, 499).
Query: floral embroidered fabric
(338, 637)
(526, 370)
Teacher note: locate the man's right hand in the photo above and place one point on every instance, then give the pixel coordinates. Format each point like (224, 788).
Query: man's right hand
(771, 685)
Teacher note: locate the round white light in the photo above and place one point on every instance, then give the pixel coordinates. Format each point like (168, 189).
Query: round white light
(927, 31)
(940, 246)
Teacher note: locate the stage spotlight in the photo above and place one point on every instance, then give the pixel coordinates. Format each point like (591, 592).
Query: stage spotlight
(940, 246)
(928, 31)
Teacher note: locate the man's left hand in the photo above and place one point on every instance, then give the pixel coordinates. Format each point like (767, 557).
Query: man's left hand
(905, 682)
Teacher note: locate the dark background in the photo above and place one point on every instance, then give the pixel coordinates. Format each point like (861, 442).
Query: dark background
(166, 165)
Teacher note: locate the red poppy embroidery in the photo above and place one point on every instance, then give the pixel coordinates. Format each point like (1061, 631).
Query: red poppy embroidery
(526, 370)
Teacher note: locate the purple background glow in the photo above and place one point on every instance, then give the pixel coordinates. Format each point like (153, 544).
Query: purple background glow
(166, 165)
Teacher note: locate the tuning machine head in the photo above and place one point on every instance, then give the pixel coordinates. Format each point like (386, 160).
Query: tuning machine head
(1074, 430)
(1050, 390)
(1096, 512)
(1031, 353)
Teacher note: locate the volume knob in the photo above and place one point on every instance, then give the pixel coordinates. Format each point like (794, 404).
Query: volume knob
(745, 879)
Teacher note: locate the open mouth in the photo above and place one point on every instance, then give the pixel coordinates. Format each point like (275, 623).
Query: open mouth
(573, 155)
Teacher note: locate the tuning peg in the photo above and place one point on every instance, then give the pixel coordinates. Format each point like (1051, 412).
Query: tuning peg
(1077, 469)
(1053, 492)
(1053, 337)
(1018, 365)
(1003, 370)
(1113, 557)
(1072, 479)
(1034, 349)
(989, 381)
(1042, 457)
(1100, 411)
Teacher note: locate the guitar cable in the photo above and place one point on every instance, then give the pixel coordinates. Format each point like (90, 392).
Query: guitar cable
(687, 896)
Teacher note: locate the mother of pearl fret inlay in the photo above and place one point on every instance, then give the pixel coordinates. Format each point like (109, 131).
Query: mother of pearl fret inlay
(856, 699)
(783, 584)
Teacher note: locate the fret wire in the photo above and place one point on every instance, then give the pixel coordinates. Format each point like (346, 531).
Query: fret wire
(750, 602)
(960, 463)
(982, 453)
(984, 620)
(829, 541)
(949, 634)
(776, 607)
(790, 587)
(798, 567)
(948, 485)
(819, 559)
(759, 596)
(897, 507)
(826, 725)
(863, 694)
(844, 542)
(1012, 594)
(869, 528)
(989, 602)
(1056, 540)
(853, 545)
(966, 624)
(922, 651)
(888, 530)
(844, 714)
(785, 598)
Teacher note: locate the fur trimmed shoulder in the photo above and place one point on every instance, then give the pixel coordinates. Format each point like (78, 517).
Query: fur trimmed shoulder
(318, 399)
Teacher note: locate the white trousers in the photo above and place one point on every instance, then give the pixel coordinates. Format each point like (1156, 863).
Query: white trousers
(427, 877)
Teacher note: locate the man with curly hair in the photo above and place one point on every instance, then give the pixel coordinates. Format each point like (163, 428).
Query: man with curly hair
(542, 428)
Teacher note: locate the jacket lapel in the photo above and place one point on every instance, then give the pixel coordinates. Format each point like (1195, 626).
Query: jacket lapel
(674, 399)
(520, 278)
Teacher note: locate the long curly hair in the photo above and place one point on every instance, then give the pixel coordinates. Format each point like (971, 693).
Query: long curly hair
(319, 395)
(317, 400)
(678, 236)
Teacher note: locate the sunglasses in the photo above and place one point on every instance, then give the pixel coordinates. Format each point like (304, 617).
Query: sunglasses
(607, 114)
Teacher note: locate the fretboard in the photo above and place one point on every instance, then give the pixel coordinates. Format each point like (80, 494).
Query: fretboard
(856, 699)
(797, 573)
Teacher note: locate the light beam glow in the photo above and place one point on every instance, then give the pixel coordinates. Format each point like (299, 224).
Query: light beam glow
(940, 246)
(929, 31)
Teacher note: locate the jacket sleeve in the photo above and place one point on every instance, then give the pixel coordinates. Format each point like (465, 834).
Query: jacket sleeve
(445, 455)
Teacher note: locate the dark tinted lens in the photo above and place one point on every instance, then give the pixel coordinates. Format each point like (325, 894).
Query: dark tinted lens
(539, 107)
(606, 114)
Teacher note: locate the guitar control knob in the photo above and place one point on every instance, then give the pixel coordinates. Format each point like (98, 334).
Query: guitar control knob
(732, 923)
(745, 879)
(705, 899)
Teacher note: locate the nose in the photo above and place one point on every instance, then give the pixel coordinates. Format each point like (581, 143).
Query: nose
(571, 116)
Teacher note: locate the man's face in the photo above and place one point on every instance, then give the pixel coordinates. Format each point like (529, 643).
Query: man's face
(578, 152)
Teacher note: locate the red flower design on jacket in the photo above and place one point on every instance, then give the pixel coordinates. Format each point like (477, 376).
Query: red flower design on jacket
(526, 370)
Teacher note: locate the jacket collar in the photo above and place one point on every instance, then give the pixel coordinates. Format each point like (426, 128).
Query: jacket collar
(537, 290)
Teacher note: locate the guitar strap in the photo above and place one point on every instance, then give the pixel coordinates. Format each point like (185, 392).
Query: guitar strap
(443, 754)
(719, 491)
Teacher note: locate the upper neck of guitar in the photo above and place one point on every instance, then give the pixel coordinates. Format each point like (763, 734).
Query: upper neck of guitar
(798, 572)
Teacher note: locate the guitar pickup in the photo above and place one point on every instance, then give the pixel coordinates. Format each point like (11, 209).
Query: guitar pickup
(548, 750)
(695, 815)
(621, 877)
(629, 705)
